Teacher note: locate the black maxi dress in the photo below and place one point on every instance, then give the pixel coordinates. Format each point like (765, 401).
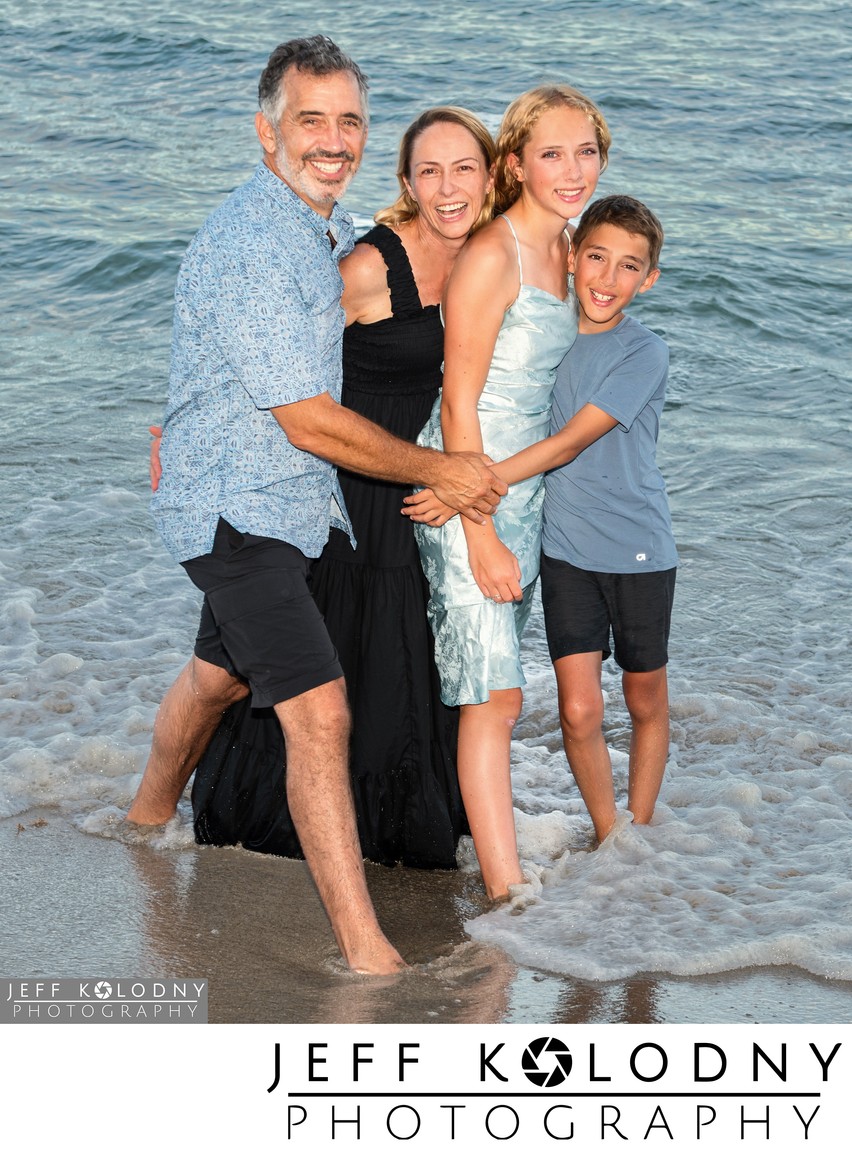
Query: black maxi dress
(404, 780)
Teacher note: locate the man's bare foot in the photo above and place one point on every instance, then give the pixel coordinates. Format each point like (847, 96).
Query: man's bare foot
(150, 810)
(149, 814)
(134, 834)
(381, 958)
(620, 819)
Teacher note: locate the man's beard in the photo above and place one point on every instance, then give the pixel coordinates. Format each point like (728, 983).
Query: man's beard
(302, 179)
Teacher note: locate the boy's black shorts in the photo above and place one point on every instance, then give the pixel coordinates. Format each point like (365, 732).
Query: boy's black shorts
(259, 620)
(582, 607)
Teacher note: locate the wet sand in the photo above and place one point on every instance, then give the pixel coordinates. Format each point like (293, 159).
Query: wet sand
(77, 905)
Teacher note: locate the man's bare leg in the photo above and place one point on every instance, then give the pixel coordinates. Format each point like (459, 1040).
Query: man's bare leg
(185, 723)
(319, 793)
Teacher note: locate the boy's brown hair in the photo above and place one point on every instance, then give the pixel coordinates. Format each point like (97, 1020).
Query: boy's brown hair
(626, 213)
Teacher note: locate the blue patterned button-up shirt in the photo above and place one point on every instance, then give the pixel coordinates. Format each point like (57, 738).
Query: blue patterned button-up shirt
(258, 324)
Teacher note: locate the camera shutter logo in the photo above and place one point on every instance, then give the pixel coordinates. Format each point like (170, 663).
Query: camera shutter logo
(103, 989)
(547, 1062)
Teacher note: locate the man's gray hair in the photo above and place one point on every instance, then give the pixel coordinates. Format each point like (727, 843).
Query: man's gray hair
(315, 54)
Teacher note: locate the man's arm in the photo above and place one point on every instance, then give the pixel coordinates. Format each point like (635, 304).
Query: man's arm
(462, 479)
(324, 428)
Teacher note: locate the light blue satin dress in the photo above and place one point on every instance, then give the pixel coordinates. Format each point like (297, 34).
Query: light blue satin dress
(477, 641)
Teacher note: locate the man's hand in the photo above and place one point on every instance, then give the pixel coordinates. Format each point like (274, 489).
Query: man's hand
(465, 481)
(154, 465)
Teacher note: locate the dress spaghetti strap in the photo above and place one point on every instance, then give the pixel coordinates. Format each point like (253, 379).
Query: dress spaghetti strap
(517, 248)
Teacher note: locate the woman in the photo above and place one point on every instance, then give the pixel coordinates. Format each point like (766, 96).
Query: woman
(498, 379)
(374, 598)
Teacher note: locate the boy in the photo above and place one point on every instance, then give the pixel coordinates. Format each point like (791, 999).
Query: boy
(608, 554)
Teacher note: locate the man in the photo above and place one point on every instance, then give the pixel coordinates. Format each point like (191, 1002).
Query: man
(252, 431)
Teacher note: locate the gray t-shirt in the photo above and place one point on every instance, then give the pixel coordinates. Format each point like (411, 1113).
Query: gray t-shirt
(607, 510)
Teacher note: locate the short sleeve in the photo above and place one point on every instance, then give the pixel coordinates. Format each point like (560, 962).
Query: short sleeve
(635, 379)
(272, 322)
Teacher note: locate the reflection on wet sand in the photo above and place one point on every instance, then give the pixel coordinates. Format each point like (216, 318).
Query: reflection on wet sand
(256, 926)
(634, 1001)
(87, 905)
(253, 926)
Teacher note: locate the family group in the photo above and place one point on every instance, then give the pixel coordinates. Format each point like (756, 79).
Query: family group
(372, 452)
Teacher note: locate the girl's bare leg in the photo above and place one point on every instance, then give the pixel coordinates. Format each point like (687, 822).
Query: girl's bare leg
(485, 737)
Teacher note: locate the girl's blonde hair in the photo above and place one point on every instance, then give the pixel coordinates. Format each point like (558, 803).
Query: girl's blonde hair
(405, 208)
(518, 122)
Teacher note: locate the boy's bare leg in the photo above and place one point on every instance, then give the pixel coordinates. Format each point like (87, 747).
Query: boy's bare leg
(185, 723)
(484, 765)
(319, 793)
(581, 712)
(647, 697)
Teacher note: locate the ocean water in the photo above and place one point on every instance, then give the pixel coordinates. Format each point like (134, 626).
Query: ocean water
(121, 127)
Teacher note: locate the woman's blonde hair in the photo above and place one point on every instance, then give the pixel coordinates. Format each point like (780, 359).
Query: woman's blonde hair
(518, 122)
(405, 209)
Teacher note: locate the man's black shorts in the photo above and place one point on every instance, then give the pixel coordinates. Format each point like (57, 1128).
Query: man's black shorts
(582, 607)
(259, 620)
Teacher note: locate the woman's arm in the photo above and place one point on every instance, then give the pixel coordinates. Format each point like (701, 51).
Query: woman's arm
(366, 295)
(589, 424)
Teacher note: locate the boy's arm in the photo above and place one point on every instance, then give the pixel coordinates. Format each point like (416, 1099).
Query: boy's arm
(589, 424)
(626, 389)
